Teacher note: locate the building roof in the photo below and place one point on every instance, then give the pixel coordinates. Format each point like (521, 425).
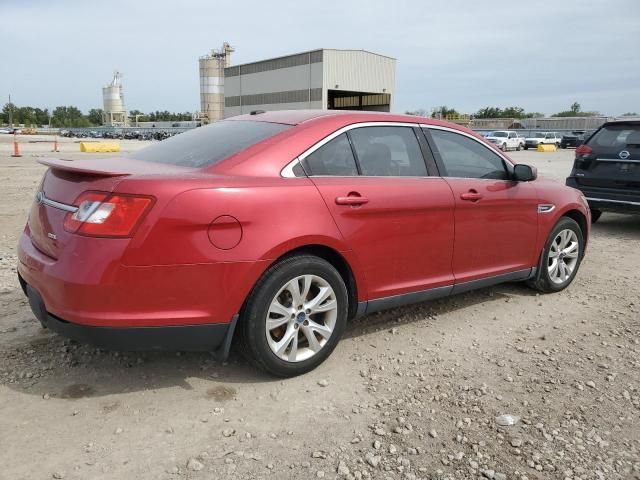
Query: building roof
(307, 52)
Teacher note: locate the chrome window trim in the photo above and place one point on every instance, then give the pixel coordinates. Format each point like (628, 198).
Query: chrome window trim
(337, 133)
(287, 171)
(616, 160)
(42, 199)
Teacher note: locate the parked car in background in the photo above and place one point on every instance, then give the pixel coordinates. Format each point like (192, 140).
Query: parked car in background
(607, 169)
(542, 138)
(575, 138)
(9, 130)
(506, 140)
(280, 226)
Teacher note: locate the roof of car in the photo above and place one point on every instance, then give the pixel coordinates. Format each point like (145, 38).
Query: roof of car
(296, 117)
(632, 121)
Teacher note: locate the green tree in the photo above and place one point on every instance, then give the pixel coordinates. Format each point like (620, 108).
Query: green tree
(575, 110)
(444, 112)
(68, 116)
(630, 114)
(95, 116)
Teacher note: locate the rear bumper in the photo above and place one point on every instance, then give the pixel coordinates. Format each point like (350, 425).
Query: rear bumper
(608, 200)
(205, 337)
(88, 285)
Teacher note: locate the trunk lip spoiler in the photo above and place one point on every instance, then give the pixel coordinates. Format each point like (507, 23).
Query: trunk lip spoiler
(73, 166)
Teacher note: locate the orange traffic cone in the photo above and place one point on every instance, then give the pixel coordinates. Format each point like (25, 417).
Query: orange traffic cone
(55, 145)
(16, 147)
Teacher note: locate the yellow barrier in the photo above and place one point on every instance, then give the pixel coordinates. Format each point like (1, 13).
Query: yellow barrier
(546, 148)
(99, 147)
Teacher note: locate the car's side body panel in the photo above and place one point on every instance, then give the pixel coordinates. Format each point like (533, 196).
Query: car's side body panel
(403, 235)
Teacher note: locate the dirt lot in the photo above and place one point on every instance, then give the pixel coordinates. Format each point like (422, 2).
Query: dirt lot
(409, 393)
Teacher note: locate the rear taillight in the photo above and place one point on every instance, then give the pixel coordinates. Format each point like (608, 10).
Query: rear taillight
(102, 214)
(583, 150)
(582, 159)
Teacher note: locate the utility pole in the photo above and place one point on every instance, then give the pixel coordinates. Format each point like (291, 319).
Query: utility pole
(10, 113)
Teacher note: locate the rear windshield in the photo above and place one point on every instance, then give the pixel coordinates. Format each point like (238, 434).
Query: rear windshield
(208, 145)
(616, 136)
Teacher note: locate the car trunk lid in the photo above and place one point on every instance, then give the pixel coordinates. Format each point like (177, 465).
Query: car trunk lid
(64, 182)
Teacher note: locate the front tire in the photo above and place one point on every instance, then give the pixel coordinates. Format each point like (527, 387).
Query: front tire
(294, 316)
(561, 257)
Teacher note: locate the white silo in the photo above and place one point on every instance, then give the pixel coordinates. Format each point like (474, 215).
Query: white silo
(115, 113)
(212, 83)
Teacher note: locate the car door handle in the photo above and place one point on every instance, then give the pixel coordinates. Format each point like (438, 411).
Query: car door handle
(352, 200)
(471, 195)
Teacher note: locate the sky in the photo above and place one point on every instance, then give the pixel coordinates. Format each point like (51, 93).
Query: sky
(542, 55)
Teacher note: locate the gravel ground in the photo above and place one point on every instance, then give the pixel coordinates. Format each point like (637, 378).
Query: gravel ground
(419, 392)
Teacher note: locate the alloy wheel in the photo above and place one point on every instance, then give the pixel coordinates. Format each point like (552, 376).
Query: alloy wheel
(301, 318)
(563, 256)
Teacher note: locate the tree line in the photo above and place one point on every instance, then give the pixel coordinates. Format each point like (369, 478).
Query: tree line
(70, 116)
(444, 112)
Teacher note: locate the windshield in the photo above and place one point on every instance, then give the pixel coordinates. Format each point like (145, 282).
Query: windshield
(208, 145)
(539, 134)
(499, 134)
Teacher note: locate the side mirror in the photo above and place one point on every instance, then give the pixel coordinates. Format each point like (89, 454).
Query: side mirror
(524, 173)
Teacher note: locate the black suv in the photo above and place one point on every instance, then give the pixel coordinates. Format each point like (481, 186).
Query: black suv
(607, 168)
(575, 138)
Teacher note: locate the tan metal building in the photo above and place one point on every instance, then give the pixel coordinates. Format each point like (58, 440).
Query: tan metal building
(317, 79)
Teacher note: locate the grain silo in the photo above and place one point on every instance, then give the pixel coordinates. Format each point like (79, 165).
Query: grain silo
(114, 113)
(212, 83)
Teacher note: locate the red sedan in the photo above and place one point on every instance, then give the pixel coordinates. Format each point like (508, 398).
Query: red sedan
(276, 228)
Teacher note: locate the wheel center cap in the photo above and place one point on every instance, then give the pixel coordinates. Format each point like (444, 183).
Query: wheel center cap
(301, 317)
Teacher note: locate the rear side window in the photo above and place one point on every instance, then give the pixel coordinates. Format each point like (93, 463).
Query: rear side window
(616, 136)
(388, 151)
(467, 158)
(208, 145)
(333, 158)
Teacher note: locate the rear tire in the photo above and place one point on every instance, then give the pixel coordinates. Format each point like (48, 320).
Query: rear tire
(561, 257)
(282, 330)
(526, 147)
(595, 215)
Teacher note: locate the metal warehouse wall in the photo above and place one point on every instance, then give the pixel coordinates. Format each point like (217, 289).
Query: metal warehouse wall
(283, 83)
(357, 70)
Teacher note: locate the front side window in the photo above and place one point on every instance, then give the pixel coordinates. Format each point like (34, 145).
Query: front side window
(388, 151)
(467, 158)
(333, 158)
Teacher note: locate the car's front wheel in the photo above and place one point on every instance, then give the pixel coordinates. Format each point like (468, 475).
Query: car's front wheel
(295, 316)
(561, 257)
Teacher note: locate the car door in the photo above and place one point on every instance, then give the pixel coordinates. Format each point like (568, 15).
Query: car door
(495, 217)
(396, 218)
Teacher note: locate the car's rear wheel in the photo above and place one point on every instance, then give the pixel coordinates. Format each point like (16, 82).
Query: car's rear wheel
(526, 147)
(295, 316)
(561, 257)
(595, 215)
